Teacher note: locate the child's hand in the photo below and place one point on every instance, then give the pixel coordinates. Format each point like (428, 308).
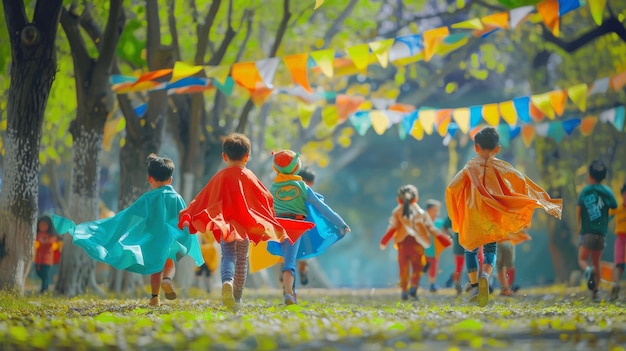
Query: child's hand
(383, 247)
(184, 221)
(345, 230)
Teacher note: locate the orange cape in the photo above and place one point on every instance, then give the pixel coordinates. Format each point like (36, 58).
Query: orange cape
(235, 205)
(490, 201)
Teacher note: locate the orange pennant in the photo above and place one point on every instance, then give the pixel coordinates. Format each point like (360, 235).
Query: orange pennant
(618, 81)
(297, 65)
(246, 74)
(491, 115)
(432, 38)
(549, 11)
(149, 76)
(404, 108)
(347, 105)
(497, 20)
(508, 112)
(442, 121)
(528, 134)
(543, 103)
(587, 125)
(260, 94)
(558, 98)
(535, 113)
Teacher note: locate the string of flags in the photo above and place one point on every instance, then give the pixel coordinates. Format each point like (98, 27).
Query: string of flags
(258, 77)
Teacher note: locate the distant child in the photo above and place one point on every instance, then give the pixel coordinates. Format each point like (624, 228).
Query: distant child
(433, 208)
(505, 264)
(490, 201)
(47, 245)
(620, 244)
(237, 208)
(592, 214)
(143, 238)
(291, 196)
(411, 229)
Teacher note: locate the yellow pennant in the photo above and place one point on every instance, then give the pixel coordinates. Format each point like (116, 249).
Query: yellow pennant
(318, 3)
(379, 120)
(462, 118)
(549, 11)
(330, 116)
(381, 50)
(306, 112)
(497, 20)
(474, 23)
(182, 70)
(491, 115)
(442, 120)
(508, 112)
(427, 119)
(544, 104)
(219, 73)
(360, 55)
(596, 7)
(417, 131)
(432, 38)
(324, 60)
(578, 95)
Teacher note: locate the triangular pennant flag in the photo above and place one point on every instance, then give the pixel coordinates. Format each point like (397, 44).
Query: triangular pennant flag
(393, 116)
(427, 120)
(462, 118)
(442, 121)
(474, 23)
(417, 131)
(141, 110)
(380, 122)
(536, 114)
(474, 131)
(298, 67)
(600, 86)
(119, 79)
(260, 94)
(620, 116)
(401, 132)
(491, 115)
(518, 15)
(505, 138)
(522, 107)
(452, 129)
(382, 104)
(414, 42)
(476, 115)
(528, 134)
(318, 3)
(111, 128)
(404, 108)
(330, 116)
(514, 131)
(432, 38)
(587, 125)
(152, 75)
(497, 20)
(381, 50)
(544, 104)
(359, 54)
(549, 11)
(596, 7)
(267, 70)
(227, 87)
(408, 120)
(182, 70)
(570, 124)
(607, 116)
(508, 113)
(361, 122)
(347, 105)
(219, 73)
(400, 54)
(325, 59)
(558, 98)
(578, 95)
(556, 131)
(188, 82)
(618, 81)
(245, 74)
(306, 113)
(566, 6)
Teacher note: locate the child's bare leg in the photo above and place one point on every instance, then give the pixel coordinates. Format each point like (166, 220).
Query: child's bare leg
(166, 283)
(583, 257)
(502, 278)
(169, 270)
(595, 261)
(288, 281)
(155, 283)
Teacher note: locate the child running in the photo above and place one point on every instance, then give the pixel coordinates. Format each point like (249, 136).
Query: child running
(592, 214)
(433, 208)
(291, 198)
(411, 228)
(620, 244)
(490, 201)
(237, 208)
(143, 238)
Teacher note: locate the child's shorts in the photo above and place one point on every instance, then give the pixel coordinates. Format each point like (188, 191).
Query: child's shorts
(593, 242)
(204, 269)
(506, 256)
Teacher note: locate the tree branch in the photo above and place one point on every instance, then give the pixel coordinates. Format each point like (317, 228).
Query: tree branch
(171, 22)
(242, 48)
(89, 24)
(132, 120)
(154, 26)
(16, 20)
(338, 23)
(228, 38)
(609, 25)
(46, 16)
(203, 31)
(112, 32)
(70, 21)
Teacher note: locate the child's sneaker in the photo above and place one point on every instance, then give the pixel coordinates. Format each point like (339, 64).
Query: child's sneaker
(168, 289)
(595, 297)
(227, 295)
(459, 289)
(614, 292)
(413, 293)
(290, 299)
(433, 288)
(483, 290)
(591, 278)
(304, 278)
(404, 296)
(473, 293)
(154, 301)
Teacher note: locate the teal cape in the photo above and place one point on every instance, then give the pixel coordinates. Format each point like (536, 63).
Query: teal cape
(141, 237)
(314, 241)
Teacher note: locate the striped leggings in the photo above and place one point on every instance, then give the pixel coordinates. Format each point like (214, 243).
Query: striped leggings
(235, 264)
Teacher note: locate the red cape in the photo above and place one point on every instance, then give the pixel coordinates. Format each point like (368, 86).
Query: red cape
(235, 205)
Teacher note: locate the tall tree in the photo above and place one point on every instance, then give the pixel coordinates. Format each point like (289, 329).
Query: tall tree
(95, 102)
(33, 67)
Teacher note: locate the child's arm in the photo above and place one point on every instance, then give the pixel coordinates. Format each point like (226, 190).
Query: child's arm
(385, 239)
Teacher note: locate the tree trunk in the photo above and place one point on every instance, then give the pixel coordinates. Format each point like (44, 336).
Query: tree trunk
(33, 67)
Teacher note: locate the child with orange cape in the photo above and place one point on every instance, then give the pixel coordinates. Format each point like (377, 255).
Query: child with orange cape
(490, 201)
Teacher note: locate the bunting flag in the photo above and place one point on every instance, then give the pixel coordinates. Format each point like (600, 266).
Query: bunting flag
(518, 15)
(361, 122)
(474, 24)
(569, 125)
(462, 118)
(544, 104)
(267, 70)
(558, 99)
(381, 50)
(508, 113)
(596, 7)
(380, 122)
(306, 112)
(432, 38)
(318, 3)
(549, 11)
(417, 131)
(182, 70)
(427, 119)
(442, 121)
(297, 66)
(219, 73)
(497, 20)
(330, 116)
(587, 124)
(347, 105)
(491, 115)
(578, 95)
(246, 75)
(359, 54)
(325, 60)
(528, 134)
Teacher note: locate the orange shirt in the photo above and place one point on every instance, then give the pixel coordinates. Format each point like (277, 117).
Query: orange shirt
(45, 247)
(620, 219)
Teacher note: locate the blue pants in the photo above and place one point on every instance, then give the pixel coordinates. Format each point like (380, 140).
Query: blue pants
(290, 252)
(471, 257)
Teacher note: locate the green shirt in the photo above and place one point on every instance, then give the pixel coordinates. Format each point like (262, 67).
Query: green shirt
(595, 200)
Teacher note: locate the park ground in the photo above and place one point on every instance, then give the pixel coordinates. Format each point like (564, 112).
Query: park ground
(549, 318)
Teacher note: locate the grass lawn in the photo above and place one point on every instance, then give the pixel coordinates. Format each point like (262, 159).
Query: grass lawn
(555, 318)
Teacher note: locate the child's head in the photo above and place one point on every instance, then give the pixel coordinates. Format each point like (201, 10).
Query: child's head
(407, 194)
(597, 171)
(433, 207)
(487, 140)
(236, 147)
(308, 175)
(44, 225)
(160, 170)
(287, 162)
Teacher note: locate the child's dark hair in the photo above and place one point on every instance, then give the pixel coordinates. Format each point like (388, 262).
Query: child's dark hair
(407, 193)
(597, 170)
(160, 168)
(488, 138)
(236, 146)
(432, 203)
(307, 174)
(48, 220)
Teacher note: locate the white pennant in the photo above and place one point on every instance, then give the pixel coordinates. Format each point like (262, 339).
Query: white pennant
(542, 129)
(267, 70)
(399, 51)
(608, 116)
(517, 15)
(382, 104)
(600, 86)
